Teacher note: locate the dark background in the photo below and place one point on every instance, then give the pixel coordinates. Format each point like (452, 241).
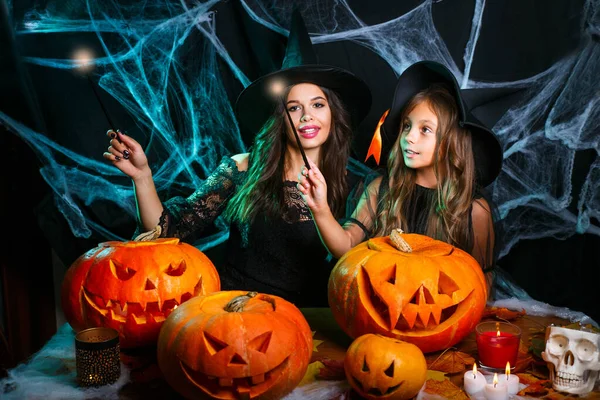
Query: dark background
(519, 39)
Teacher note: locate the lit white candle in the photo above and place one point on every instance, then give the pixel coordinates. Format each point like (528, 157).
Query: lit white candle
(512, 381)
(496, 390)
(474, 381)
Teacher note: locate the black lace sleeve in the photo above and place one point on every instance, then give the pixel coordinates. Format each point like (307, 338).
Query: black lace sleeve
(186, 218)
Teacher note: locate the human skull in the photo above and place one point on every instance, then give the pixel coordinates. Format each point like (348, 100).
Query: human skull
(573, 359)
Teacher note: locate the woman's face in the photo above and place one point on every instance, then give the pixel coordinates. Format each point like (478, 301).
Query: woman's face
(310, 114)
(418, 139)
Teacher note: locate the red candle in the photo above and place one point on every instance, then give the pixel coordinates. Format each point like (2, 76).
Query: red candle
(498, 345)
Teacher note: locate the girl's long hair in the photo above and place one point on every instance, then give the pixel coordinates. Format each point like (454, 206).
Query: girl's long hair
(262, 191)
(448, 219)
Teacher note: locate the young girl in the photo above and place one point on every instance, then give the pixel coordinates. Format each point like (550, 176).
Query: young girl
(441, 159)
(273, 245)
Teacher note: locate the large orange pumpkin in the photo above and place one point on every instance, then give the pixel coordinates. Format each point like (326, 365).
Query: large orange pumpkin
(432, 296)
(133, 286)
(379, 367)
(235, 345)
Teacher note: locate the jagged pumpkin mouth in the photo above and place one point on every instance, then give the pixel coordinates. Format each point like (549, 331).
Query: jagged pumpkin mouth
(425, 311)
(234, 388)
(140, 313)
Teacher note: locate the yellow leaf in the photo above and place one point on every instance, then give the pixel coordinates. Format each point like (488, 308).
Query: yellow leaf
(311, 373)
(316, 343)
(436, 375)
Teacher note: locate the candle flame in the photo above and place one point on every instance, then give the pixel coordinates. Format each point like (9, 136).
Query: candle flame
(507, 369)
(495, 380)
(474, 370)
(498, 333)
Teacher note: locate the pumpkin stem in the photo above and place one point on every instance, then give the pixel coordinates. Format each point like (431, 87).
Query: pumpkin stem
(238, 303)
(399, 242)
(269, 300)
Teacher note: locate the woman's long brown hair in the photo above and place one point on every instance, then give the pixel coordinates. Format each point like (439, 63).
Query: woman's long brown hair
(454, 167)
(262, 191)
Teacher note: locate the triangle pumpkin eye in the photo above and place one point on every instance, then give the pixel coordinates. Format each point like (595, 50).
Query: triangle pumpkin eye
(120, 271)
(176, 270)
(261, 342)
(213, 344)
(446, 285)
(390, 370)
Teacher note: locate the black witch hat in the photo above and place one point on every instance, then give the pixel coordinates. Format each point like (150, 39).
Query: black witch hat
(257, 102)
(488, 104)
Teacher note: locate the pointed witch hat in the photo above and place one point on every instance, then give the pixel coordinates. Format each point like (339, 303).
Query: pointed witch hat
(474, 106)
(257, 102)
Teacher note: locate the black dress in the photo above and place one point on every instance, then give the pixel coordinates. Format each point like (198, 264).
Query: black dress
(282, 256)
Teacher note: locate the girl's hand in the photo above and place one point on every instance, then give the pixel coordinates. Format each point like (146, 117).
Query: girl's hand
(127, 155)
(313, 187)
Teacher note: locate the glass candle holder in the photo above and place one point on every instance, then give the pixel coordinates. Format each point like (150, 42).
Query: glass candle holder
(497, 344)
(97, 357)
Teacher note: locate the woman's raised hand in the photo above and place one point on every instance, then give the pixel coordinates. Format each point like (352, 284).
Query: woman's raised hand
(127, 155)
(313, 187)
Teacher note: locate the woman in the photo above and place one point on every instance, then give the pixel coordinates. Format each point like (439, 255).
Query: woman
(273, 246)
(440, 161)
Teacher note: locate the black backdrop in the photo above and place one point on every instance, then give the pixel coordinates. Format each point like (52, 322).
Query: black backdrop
(521, 39)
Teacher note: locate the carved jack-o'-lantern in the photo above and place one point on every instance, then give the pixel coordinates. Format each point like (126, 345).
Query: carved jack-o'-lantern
(431, 295)
(378, 367)
(134, 286)
(232, 345)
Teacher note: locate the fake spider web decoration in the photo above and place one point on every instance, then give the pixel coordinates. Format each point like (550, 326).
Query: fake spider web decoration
(147, 65)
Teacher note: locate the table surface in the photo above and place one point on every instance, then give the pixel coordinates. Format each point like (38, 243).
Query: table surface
(335, 343)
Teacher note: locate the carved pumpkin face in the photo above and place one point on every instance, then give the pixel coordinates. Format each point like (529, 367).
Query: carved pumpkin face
(134, 286)
(378, 367)
(431, 297)
(206, 349)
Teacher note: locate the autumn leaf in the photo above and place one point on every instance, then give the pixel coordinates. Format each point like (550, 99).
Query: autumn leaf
(537, 389)
(524, 358)
(527, 379)
(502, 313)
(316, 342)
(537, 346)
(445, 388)
(333, 370)
(311, 373)
(537, 331)
(450, 362)
(588, 327)
(436, 375)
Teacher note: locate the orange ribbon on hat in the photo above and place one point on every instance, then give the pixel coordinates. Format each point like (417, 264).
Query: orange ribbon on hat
(376, 142)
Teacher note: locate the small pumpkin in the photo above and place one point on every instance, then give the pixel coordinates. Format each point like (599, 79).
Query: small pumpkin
(413, 288)
(233, 344)
(134, 286)
(379, 367)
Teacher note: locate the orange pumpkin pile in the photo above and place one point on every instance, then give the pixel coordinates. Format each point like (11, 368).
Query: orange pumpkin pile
(380, 367)
(234, 345)
(432, 296)
(134, 286)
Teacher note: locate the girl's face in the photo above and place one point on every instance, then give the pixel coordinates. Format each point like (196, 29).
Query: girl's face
(310, 113)
(418, 139)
